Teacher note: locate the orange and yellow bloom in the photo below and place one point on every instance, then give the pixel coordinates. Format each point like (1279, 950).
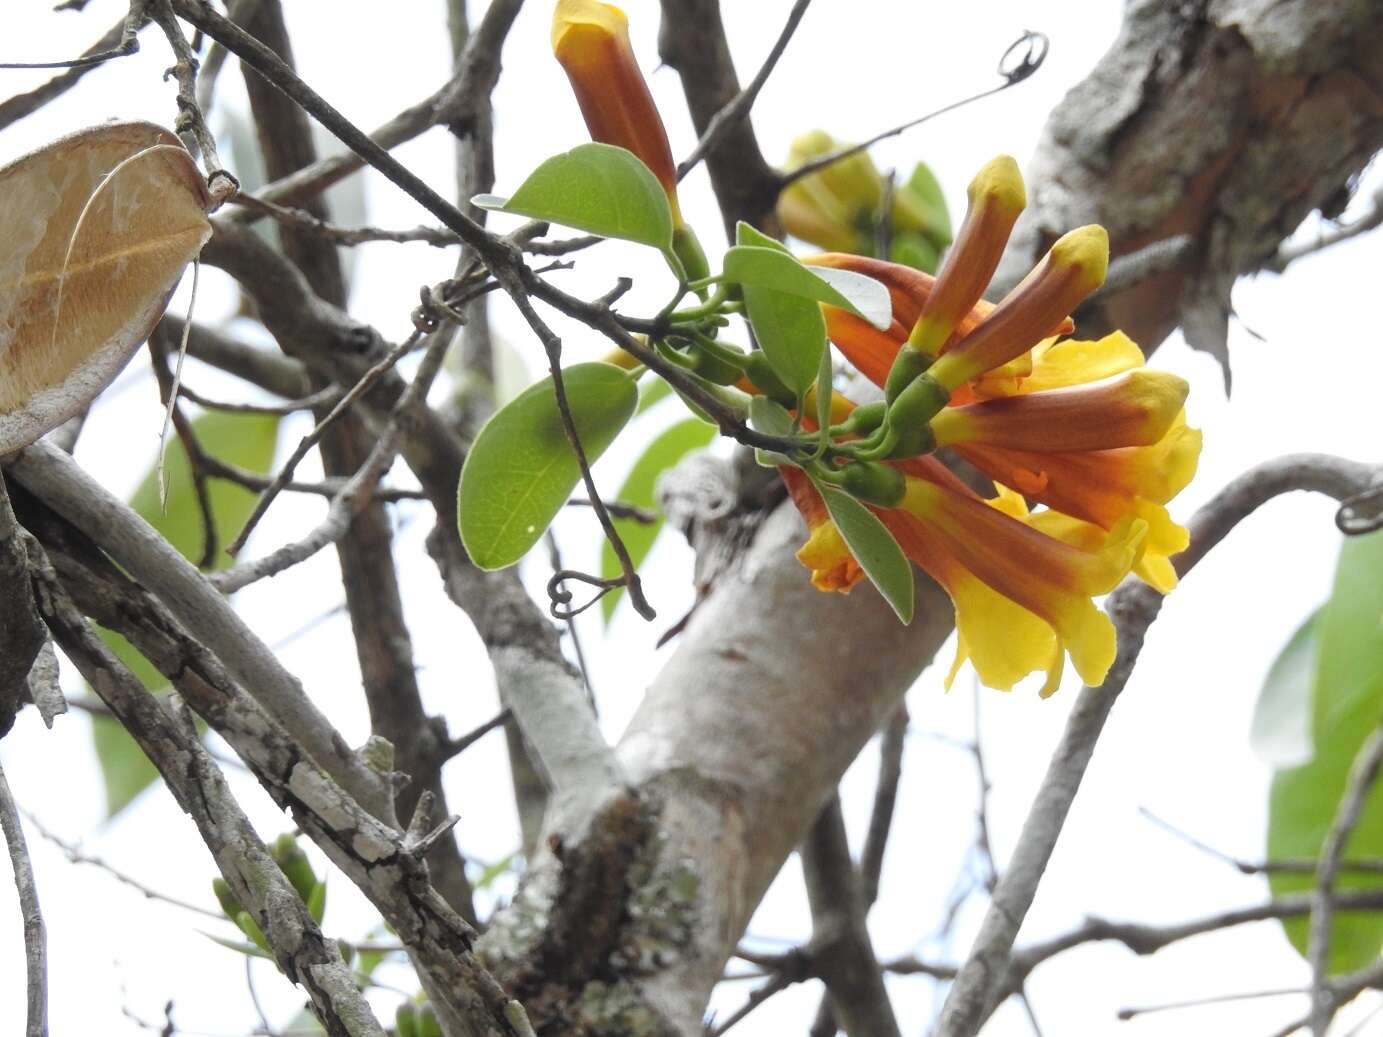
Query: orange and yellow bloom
(1081, 427)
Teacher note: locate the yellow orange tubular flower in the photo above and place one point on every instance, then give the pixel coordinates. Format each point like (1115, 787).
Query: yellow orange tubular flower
(996, 197)
(591, 41)
(872, 351)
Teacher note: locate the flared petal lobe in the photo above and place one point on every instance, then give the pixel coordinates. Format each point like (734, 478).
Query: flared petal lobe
(1054, 581)
(1103, 487)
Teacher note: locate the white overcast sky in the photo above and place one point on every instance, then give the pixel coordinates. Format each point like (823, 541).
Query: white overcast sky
(1177, 743)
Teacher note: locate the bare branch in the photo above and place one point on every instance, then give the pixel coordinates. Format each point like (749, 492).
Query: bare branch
(35, 937)
(20, 105)
(1363, 774)
(1290, 253)
(724, 120)
(56, 479)
(357, 492)
(300, 950)
(840, 949)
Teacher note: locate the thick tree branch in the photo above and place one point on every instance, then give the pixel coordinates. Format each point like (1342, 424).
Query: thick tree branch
(56, 479)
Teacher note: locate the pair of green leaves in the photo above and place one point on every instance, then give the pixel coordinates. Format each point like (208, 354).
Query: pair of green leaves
(1323, 697)
(521, 468)
(782, 297)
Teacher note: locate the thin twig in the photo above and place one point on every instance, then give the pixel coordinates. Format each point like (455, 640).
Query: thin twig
(127, 43)
(35, 938)
(75, 854)
(285, 473)
(302, 220)
(1031, 61)
(191, 122)
(1300, 866)
(1125, 1014)
(354, 495)
(1289, 253)
(108, 46)
(322, 398)
(192, 448)
(1363, 774)
(738, 108)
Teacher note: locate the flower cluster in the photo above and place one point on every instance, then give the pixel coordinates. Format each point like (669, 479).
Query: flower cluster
(1081, 429)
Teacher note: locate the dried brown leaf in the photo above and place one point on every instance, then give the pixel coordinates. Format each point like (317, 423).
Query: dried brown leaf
(95, 232)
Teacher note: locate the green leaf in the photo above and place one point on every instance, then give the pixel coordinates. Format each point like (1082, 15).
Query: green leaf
(1347, 704)
(666, 450)
(916, 251)
(747, 234)
(245, 440)
(759, 266)
(598, 188)
(874, 548)
(792, 333)
(772, 419)
(495, 870)
(652, 389)
(521, 469)
(1281, 730)
(317, 902)
(924, 184)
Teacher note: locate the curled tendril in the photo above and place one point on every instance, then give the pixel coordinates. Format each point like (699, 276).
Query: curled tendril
(559, 598)
(1362, 513)
(1035, 47)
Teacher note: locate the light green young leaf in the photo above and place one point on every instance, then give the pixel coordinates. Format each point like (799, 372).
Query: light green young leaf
(791, 331)
(669, 447)
(1347, 703)
(521, 469)
(772, 419)
(874, 548)
(598, 188)
(652, 389)
(759, 266)
(245, 440)
(747, 234)
(1280, 734)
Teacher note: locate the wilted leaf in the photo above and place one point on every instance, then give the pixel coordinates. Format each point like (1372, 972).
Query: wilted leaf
(666, 450)
(97, 229)
(521, 469)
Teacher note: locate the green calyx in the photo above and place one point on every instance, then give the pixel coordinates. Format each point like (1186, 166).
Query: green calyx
(908, 366)
(864, 420)
(873, 483)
